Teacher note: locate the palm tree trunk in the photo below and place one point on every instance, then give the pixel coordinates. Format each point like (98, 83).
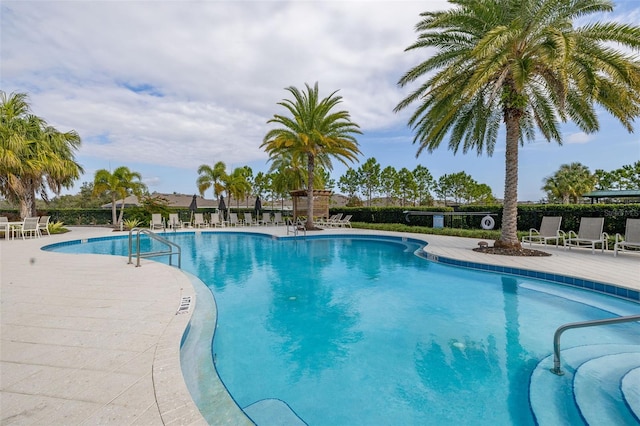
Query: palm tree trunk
(509, 235)
(114, 210)
(310, 171)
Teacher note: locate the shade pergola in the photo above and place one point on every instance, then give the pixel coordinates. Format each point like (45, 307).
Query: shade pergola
(320, 203)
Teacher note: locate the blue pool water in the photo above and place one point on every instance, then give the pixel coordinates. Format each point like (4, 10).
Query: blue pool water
(352, 331)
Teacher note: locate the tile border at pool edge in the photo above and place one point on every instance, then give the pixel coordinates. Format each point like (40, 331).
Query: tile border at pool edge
(595, 286)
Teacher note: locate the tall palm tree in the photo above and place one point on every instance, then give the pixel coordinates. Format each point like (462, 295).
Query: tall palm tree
(237, 183)
(313, 132)
(212, 177)
(34, 156)
(118, 185)
(524, 63)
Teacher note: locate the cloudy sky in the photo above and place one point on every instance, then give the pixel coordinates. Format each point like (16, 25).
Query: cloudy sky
(165, 86)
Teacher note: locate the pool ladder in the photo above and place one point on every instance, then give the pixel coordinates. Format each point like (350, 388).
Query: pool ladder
(556, 337)
(296, 226)
(169, 252)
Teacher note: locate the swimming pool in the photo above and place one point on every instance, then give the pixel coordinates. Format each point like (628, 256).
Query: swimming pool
(362, 331)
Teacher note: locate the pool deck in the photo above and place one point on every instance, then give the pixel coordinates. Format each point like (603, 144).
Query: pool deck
(88, 339)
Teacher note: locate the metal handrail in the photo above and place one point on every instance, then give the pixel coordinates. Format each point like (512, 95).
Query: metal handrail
(556, 337)
(156, 237)
(296, 226)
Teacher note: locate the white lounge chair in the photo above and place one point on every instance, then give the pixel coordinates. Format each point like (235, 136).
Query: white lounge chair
(156, 221)
(248, 220)
(267, 219)
(233, 219)
(631, 237)
(334, 220)
(216, 220)
(174, 221)
(277, 219)
(43, 224)
(198, 221)
(589, 234)
(345, 221)
(549, 230)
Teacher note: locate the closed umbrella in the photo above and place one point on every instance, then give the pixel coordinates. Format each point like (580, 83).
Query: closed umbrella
(223, 208)
(258, 207)
(193, 207)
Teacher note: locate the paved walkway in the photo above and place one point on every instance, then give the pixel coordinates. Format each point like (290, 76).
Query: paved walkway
(88, 339)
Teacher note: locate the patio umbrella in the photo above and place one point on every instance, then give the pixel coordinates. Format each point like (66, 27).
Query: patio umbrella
(193, 207)
(223, 208)
(258, 206)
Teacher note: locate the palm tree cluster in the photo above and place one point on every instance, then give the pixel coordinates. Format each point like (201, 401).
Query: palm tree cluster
(34, 156)
(118, 186)
(522, 63)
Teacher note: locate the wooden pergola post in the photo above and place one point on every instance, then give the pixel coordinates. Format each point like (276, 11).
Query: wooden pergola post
(320, 203)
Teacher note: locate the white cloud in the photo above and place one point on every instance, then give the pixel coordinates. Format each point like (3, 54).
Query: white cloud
(578, 138)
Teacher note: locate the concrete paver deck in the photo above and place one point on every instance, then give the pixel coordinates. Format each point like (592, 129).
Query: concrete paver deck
(88, 339)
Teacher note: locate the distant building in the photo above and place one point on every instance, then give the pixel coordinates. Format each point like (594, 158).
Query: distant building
(174, 200)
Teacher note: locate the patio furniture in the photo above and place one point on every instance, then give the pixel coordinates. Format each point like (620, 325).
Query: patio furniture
(216, 220)
(174, 221)
(233, 219)
(267, 219)
(198, 221)
(589, 235)
(156, 221)
(29, 226)
(248, 220)
(345, 221)
(43, 224)
(277, 219)
(549, 230)
(630, 239)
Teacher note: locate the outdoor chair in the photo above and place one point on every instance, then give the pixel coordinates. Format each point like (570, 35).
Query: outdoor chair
(216, 220)
(174, 221)
(4, 225)
(589, 234)
(29, 226)
(277, 219)
(549, 230)
(334, 220)
(156, 221)
(248, 220)
(267, 219)
(630, 239)
(345, 221)
(233, 219)
(43, 224)
(198, 221)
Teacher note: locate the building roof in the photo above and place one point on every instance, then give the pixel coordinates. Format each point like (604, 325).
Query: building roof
(175, 200)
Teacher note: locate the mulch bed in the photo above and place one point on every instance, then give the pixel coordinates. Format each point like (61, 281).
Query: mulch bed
(511, 251)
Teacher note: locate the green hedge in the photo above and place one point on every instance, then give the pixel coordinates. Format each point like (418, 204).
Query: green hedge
(529, 216)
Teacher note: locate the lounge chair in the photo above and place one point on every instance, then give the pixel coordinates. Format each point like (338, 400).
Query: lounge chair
(549, 230)
(334, 220)
(589, 234)
(267, 219)
(345, 221)
(43, 224)
(198, 221)
(216, 220)
(174, 221)
(233, 219)
(631, 237)
(4, 226)
(277, 219)
(156, 221)
(248, 220)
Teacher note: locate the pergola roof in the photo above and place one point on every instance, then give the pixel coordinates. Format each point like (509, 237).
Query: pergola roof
(622, 193)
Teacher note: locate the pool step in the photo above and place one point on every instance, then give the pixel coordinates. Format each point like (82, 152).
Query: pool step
(596, 386)
(631, 391)
(272, 412)
(553, 398)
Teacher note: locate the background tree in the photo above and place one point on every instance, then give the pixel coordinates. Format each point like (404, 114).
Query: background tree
(212, 177)
(522, 63)
(117, 185)
(569, 183)
(34, 157)
(237, 184)
(407, 186)
(349, 183)
(425, 182)
(369, 178)
(390, 183)
(313, 131)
